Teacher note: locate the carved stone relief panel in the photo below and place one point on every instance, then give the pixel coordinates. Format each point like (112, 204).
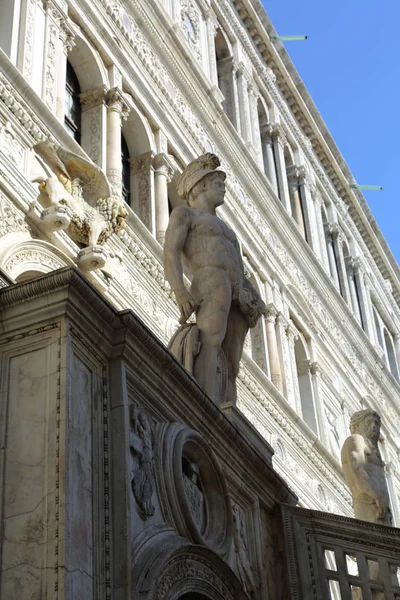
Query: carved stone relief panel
(242, 559)
(142, 472)
(11, 219)
(190, 17)
(192, 488)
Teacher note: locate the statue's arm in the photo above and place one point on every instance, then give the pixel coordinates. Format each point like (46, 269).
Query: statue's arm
(175, 237)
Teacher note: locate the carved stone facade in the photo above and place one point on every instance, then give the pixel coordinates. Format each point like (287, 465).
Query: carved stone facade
(161, 82)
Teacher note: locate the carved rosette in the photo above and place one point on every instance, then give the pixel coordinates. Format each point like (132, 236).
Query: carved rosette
(192, 488)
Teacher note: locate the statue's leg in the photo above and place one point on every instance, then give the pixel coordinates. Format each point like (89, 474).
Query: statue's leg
(211, 289)
(236, 331)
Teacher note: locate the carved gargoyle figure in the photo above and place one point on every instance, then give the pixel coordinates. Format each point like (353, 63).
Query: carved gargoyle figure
(83, 187)
(141, 445)
(363, 469)
(223, 299)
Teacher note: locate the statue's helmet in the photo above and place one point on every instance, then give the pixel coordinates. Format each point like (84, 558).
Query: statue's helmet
(198, 169)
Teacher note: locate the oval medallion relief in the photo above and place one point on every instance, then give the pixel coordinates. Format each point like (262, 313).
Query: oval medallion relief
(193, 488)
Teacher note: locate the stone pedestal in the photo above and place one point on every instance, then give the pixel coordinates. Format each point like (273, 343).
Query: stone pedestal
(115, 465)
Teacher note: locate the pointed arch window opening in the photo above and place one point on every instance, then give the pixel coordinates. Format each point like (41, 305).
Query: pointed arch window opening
(72, 108)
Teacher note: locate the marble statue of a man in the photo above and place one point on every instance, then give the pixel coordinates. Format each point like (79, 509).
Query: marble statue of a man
(363, 469)
(223, 299)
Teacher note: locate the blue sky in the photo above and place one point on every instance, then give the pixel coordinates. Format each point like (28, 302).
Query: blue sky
(350, 64)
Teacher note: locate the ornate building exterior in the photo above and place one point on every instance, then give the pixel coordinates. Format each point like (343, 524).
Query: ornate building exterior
(102, 104)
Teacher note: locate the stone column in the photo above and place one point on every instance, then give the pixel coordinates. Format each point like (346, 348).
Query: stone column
(352, 288)
(211, 28)
(331, 256)
(279, 145)
(273, 354)
(228, 86)
(368, 310)
(309, 209)
(268, 157)
(117, 109)
(366, 317)
(338, 244)
(287, 336)
(292, 335)
(255, 125)
(143, 201)
(66, 43)
(94, 125)
(315, 372)
(163, 173)
(53, 49)
(295, 200)
(243, 84)
(318, 202)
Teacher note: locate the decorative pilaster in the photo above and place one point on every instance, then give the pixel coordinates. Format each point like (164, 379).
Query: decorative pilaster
(352, 287)
(268, 156)
(53, 50)
(271, 314)
(117, 109)
(309, 209)
(292, 335)
(66, 43)
(295, 200)
(163, 173)
(285, 332)
(278, 140)
(94, 125)
(228, 86)
(211, 32)
(32, 36)
(243, 83)
(328, 230)
(143, 201)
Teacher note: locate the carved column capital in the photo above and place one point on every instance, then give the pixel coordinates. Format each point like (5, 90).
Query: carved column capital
(349, 262)
(293, 176)
(304, 367)
(212, 21)
(292, 332)
(163, 164)
(357, 264)
(115, 101)
(142, 162)
(315, 368)
(271, 313)
(67, 36)
(303, 177)
(390, 468)
(277, 134)
(92, 98)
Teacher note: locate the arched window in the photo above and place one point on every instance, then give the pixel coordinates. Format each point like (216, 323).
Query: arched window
(73, 110)
(126, 171)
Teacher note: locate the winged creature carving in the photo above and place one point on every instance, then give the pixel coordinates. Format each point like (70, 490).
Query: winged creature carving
(81, 185)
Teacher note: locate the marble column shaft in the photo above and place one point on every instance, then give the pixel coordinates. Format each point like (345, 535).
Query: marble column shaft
(94, 125)
(243, 83)
(318, 202)
(331, 256)
(163, 172)
(292, 335)
(273, 354)
(355, 301)
(341, 265)
(117, 109)
(295, 200)
(269, 158)
(143, 196)
(278, 142)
